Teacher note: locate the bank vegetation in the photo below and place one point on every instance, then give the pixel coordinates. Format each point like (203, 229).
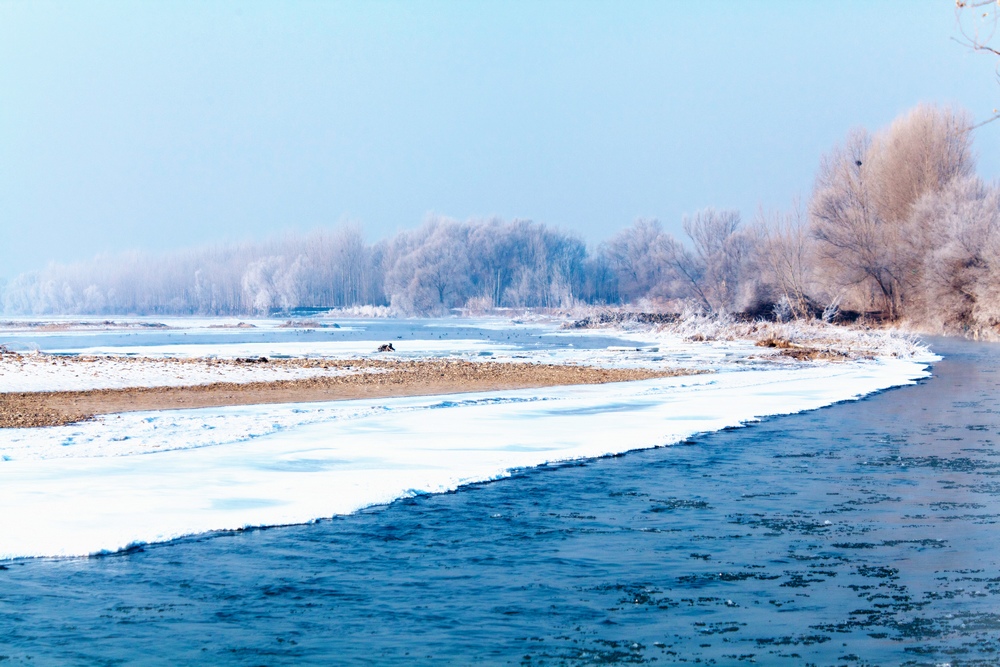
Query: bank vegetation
(898, 228)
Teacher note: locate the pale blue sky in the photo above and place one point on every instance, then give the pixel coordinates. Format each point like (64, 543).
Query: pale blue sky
(159, 125)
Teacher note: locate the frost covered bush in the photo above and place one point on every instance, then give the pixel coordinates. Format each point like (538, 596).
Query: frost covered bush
(849, 341)
(361, 312)
(958, 290)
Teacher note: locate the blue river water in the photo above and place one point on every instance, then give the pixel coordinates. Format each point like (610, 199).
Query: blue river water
(864, 533)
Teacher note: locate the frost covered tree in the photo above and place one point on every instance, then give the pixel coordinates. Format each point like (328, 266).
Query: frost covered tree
(714, 268)
(648, 263)
(863, 198)
(639, 256)
(784, 262)
(430, 269)
(480, 264)
(959, 292)
(854, 244)
(321, 269)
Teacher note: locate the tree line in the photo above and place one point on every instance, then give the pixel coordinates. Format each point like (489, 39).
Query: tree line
(898, 227)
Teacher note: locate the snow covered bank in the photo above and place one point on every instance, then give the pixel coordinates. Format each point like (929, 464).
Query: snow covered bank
(108, 367)
(87, 488)
(848, 341)
(31, 373)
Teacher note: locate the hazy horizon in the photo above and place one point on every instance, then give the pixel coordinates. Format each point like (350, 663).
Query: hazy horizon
(155, 127)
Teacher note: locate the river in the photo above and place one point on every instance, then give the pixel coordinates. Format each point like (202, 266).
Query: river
(862, 533)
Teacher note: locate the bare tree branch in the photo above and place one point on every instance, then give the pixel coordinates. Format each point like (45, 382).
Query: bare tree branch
(978, 22)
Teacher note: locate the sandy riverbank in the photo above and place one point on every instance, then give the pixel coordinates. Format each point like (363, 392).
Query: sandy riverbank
(371, 379)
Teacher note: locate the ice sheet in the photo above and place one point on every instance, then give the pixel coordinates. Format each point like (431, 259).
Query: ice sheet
(84, 489)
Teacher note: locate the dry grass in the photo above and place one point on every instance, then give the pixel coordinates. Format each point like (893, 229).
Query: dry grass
(798, 352)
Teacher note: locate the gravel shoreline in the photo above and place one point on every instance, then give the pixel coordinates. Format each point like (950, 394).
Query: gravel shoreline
(382, 379)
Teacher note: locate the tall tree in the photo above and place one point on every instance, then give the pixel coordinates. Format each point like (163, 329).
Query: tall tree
(863, 198)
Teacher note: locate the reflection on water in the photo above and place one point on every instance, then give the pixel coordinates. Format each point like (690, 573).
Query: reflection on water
(864, 533)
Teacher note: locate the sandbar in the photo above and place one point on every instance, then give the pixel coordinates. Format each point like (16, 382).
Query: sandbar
(376, 379)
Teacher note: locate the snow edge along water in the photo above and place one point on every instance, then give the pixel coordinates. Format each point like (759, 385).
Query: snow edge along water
(338, 459)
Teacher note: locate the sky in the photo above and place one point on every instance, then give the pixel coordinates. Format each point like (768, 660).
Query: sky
(161, 125)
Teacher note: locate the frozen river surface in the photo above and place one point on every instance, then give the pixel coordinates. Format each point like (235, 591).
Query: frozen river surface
(862, 533)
